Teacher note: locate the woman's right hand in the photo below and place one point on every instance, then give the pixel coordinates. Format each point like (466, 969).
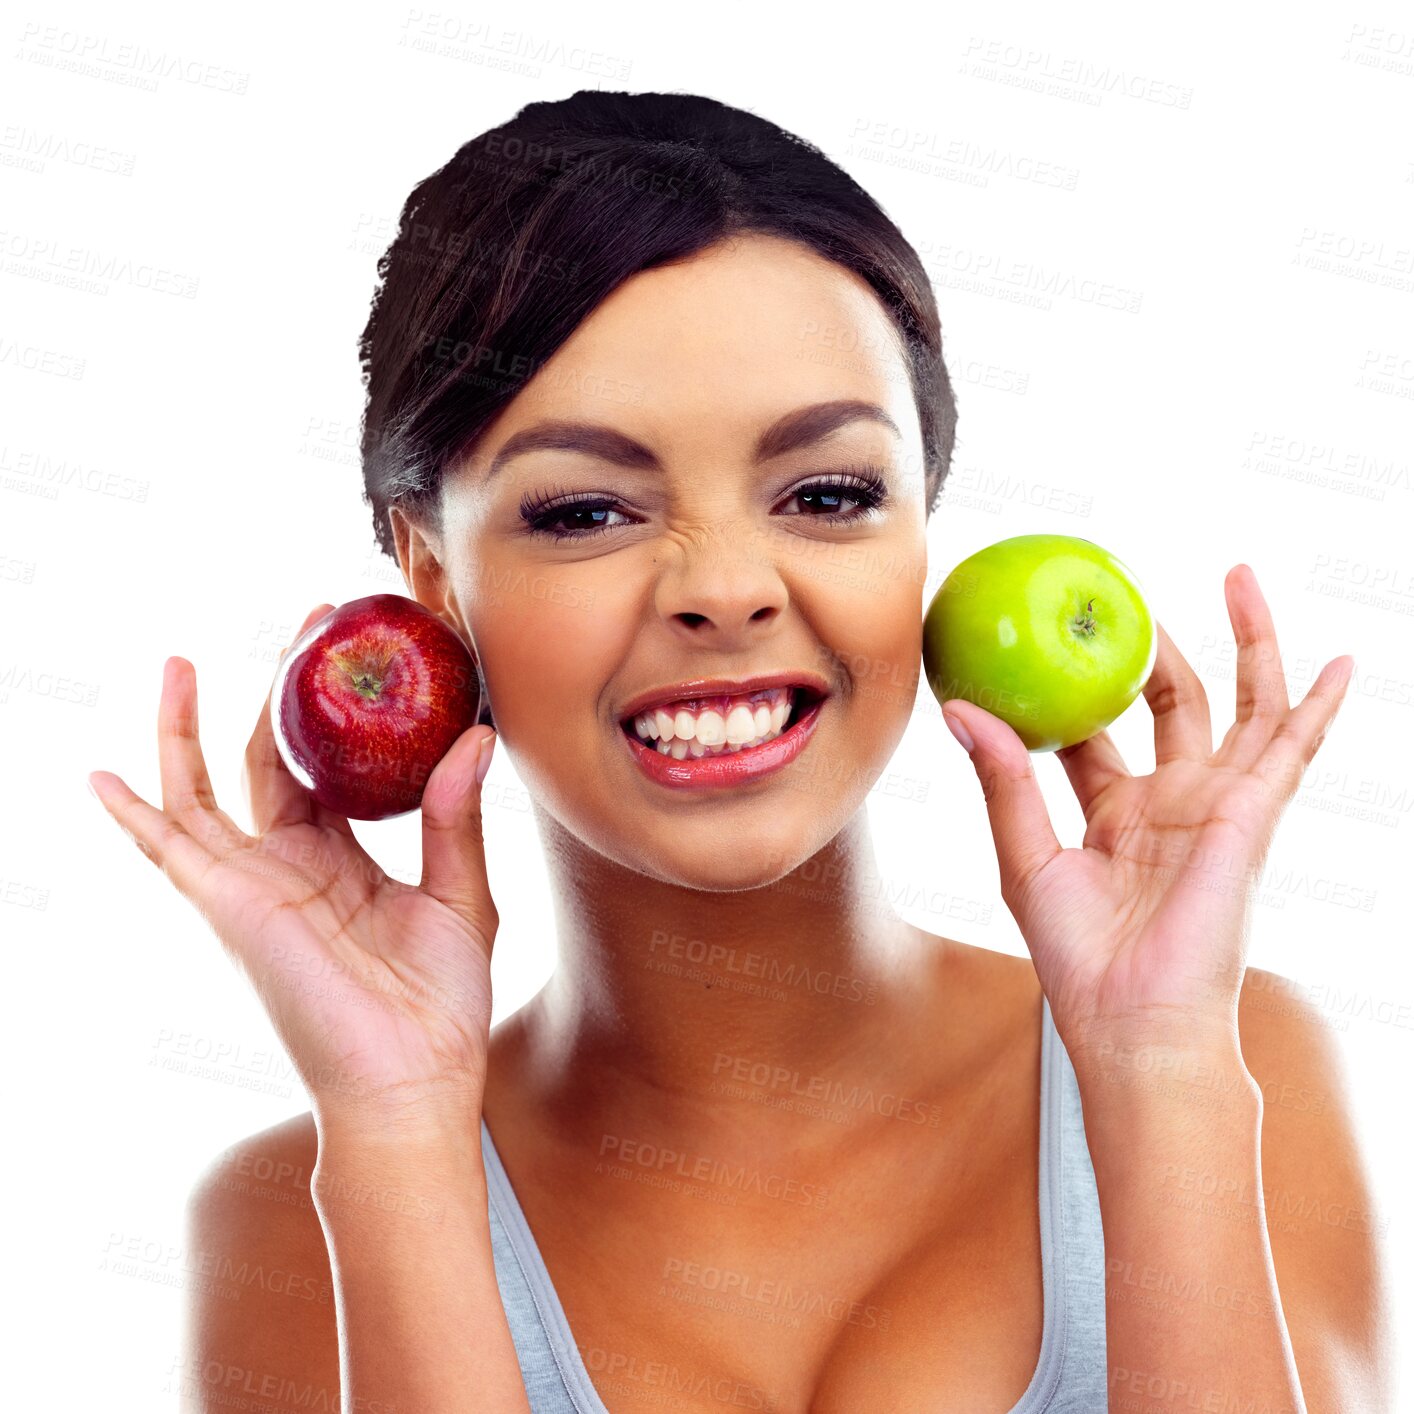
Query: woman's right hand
(379, 990)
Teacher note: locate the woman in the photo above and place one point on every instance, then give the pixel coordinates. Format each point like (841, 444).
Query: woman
(656, 417)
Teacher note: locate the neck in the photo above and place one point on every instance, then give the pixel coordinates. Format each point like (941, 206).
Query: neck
(665, 994)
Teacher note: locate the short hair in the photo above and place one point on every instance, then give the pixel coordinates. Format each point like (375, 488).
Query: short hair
(501, 254)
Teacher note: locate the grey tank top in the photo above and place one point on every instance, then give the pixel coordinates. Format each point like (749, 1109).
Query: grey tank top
(1070, 1376)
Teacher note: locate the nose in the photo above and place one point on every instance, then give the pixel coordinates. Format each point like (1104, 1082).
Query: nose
(720, 594)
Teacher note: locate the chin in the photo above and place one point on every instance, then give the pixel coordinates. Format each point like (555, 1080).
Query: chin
(715, 859)
(724, 879)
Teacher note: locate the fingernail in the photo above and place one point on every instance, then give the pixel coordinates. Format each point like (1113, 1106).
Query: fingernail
(483, 762)
(959, 731)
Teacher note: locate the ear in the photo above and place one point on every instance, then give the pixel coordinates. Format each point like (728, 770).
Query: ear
(419, 550)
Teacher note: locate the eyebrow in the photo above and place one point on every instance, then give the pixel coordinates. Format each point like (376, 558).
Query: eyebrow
(801, 428)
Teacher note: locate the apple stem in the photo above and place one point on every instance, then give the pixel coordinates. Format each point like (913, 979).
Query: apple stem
(367, 684)
(1085, 622)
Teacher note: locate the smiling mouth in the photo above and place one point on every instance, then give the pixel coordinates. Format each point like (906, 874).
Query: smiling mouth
(699, 728)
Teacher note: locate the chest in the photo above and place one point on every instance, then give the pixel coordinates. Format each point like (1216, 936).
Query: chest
(911, 1285)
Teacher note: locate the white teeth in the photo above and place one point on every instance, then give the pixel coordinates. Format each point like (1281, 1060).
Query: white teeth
(741, 725)
(711, 728)
(682, 733)
(681, 749)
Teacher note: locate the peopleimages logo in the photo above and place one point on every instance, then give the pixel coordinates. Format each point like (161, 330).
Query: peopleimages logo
(850, 1095)
(55, 262)
(1066, 76)
(775, 1292)
(701, 1168)
(759, 965)
(118, 61)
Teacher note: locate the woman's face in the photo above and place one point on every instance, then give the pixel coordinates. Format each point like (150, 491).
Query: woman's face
(587, 580)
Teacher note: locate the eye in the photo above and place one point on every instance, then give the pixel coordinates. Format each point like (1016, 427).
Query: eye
(566, 517)
(543, 516)
(862, 485)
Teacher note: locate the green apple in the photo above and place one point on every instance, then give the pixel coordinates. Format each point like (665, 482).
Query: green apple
(1050, 633)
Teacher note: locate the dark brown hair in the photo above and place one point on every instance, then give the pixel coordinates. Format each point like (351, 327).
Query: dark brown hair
(502, 252)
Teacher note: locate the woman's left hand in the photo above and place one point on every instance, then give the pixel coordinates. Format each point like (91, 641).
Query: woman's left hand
(1140, 935)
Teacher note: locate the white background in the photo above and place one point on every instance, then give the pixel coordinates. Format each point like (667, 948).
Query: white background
(179, 475)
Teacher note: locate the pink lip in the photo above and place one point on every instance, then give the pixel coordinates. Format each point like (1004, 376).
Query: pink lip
(734, 767)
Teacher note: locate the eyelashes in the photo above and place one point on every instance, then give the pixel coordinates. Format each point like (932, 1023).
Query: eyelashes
(863, 485)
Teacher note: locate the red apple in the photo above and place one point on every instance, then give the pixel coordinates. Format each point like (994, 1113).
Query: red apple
(368, 700)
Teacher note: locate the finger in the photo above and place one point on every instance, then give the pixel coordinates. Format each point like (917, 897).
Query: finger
(186, 787)
(275, 797)
(1299, 735)
(1183, 727)
(1021, 827)
(1262, 699)
(453, 849)
(1091, 765)
(181, 856)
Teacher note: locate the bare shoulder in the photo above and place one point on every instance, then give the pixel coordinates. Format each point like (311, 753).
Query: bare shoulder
(986, 973)
(1326, 1230)
(994, 1000)
(260, 1309)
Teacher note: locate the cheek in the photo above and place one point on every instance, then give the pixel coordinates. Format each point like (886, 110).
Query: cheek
(548, 647)
(875, 630)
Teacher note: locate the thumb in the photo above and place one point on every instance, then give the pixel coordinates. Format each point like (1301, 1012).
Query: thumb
(1021, 825)
(453, 849)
